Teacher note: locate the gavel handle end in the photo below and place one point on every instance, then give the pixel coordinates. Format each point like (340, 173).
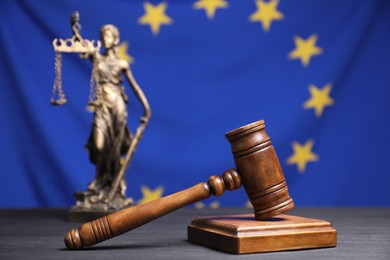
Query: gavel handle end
(89, 234)
(72, 240)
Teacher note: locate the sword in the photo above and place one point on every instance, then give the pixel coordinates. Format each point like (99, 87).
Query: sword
(130, 152)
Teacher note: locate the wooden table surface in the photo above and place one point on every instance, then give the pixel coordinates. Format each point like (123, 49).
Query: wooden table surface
(362, 233)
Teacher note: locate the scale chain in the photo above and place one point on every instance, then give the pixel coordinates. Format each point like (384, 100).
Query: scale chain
(57, 86)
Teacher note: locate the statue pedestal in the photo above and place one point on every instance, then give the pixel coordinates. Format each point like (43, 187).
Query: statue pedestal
(241, 234)
(83, 215)
(93, 205)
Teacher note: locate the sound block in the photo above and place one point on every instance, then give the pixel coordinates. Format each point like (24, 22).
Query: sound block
(242, 234)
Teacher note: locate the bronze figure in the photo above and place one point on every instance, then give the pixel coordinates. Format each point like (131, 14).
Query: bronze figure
(111, 144)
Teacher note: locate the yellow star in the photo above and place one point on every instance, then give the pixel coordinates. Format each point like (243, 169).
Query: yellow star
(266, 13)
(199, 205)
(319, 98)
(248, 205)
(214, 205)
(302, 155)
(210, 6)
(122, 53)
(155, 16)
(149, 195)
(305, 49)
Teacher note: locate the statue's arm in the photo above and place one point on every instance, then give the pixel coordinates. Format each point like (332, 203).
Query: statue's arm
(139, 94)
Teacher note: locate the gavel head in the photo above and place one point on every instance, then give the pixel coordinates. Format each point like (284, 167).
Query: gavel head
(260, 170)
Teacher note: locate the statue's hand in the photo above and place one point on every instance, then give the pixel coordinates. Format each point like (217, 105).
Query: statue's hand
(88, 55)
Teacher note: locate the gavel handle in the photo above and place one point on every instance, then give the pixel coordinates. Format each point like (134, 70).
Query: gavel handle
(127, 219)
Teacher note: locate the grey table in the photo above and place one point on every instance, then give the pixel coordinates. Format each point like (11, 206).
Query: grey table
(363, 233)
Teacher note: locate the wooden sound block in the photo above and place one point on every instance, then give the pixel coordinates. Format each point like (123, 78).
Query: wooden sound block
(241, 234)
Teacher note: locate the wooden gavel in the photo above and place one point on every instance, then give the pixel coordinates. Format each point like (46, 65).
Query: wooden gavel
(259, 171)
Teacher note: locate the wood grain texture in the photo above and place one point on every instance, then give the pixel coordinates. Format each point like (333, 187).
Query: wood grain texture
(241, 234)
(260, 170)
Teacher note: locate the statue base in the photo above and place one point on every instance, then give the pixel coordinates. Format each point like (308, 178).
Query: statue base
(242, 234)
(91, 205)
(75, 215)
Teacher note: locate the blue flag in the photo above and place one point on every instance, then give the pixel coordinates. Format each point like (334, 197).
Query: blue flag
(317, 72)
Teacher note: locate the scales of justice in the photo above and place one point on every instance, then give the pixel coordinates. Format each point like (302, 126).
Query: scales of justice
(257, 169)
(110, 145)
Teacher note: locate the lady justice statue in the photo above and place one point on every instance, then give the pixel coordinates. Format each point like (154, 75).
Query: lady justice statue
(111, 145)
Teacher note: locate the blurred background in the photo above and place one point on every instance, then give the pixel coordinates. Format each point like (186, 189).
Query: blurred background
(317, 72)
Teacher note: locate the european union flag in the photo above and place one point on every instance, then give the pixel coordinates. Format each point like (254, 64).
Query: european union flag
(317, 72)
